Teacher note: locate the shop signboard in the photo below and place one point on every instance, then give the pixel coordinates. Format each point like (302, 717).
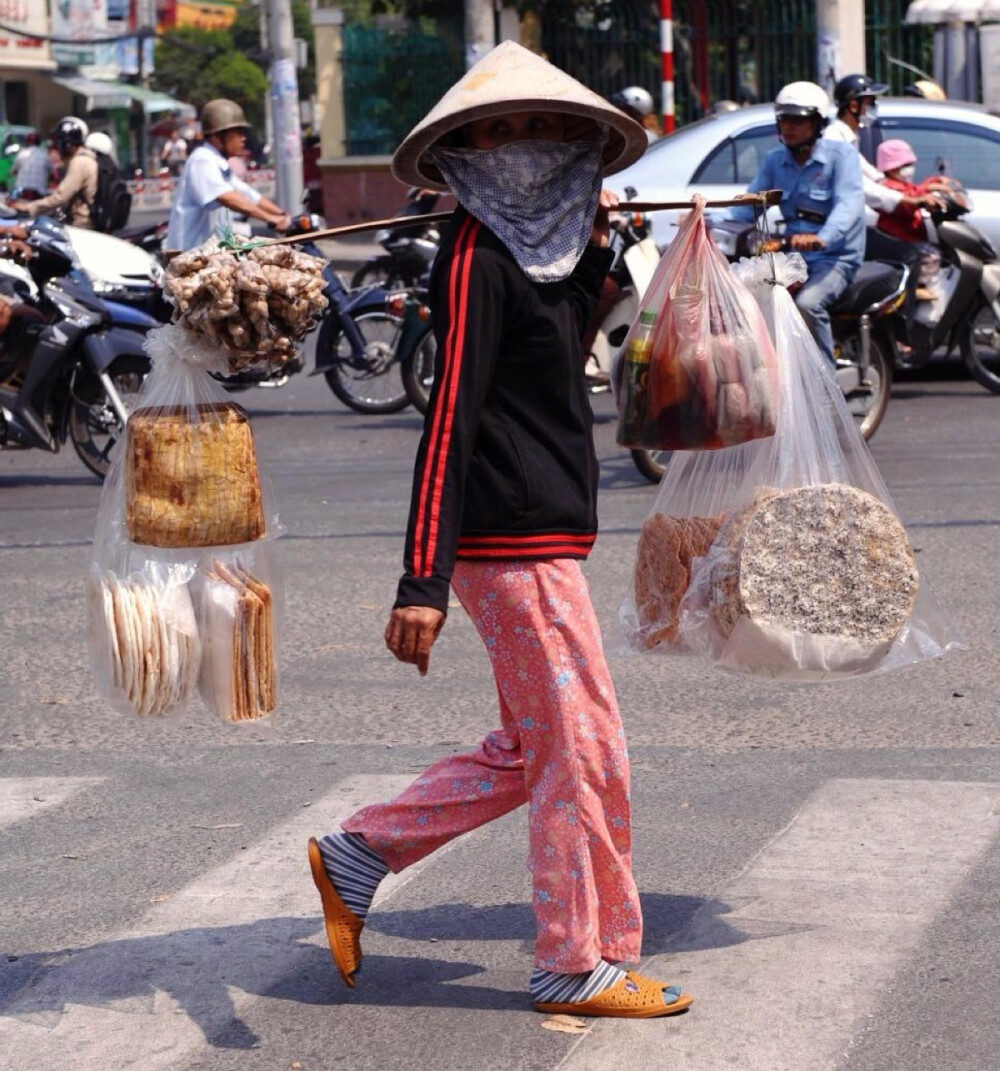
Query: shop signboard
(83, 21)
(19, 51)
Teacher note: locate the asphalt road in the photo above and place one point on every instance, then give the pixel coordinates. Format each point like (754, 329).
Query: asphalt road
(818, 863)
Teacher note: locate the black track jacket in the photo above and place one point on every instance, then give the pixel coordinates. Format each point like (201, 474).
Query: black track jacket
(506, 468)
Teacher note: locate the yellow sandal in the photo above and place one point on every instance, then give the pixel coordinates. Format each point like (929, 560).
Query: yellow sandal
(633, 997)
(343, 927)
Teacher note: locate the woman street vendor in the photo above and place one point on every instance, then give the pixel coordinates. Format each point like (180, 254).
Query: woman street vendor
(503, 511)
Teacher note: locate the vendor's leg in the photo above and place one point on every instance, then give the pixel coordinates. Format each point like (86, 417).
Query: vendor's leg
(826, 282)
(539, 627)
(455, 795)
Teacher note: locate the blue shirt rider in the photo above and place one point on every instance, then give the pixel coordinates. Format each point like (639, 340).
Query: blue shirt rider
(822, 203)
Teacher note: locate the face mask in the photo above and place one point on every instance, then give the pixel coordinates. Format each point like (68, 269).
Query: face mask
(538, 197)
(907, 173)
(869, 115)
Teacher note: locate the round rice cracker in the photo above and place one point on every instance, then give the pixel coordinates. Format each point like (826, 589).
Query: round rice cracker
(150, 595)
(137, 590)
(125, 634)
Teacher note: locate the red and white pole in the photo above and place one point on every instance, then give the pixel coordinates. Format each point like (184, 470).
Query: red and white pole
(667, 56)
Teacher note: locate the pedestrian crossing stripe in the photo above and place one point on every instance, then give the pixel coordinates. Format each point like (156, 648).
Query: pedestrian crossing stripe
(27, 797)
(785, 963)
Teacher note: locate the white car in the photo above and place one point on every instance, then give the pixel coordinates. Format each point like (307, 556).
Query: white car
(718, 157)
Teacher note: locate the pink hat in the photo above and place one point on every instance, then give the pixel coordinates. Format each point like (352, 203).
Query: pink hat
(894, 153)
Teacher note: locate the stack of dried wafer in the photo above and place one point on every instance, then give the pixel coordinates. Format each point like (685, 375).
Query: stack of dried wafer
(667, 547)
(144, 640)
(191, 477)
(238, 679)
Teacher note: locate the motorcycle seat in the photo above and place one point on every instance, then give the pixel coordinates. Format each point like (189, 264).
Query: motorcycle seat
(874, 282)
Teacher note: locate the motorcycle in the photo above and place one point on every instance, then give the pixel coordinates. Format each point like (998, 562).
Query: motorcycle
(357, 342)
(68, 368)
(409, 250)
(966, 309)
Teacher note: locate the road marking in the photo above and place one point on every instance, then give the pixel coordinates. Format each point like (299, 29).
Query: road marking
(149, 996)
(26, 797)
(790, 960)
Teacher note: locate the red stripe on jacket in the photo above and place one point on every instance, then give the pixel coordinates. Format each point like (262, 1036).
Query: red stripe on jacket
(513, 539)
(441, 426)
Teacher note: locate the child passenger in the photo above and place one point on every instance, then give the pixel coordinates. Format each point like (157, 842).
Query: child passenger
(503, 511)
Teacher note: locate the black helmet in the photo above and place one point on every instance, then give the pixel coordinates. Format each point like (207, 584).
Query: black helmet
(853, 86)
(68, 132)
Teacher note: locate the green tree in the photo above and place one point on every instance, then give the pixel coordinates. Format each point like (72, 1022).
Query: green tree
(199, 65)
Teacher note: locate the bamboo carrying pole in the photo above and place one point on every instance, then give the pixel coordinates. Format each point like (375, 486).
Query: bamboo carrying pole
(765, 198)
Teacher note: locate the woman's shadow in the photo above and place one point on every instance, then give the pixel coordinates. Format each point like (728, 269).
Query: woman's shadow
(283, 958)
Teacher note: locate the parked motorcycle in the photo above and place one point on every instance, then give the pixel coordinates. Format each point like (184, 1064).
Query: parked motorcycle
(409, 250)
(68, 369)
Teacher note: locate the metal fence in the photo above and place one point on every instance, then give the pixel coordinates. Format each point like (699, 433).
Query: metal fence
(392, 78)
(739, 50)
(887, 39)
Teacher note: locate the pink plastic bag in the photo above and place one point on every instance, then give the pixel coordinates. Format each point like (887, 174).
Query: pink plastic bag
(699, 371)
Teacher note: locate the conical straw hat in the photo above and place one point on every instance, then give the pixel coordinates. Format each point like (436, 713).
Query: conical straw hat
(509, 78)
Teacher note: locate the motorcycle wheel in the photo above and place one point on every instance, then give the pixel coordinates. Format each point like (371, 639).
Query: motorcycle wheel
(652, 463)
(980, 345)
(869, 406)
(418, 371)
(380, 271)
(93, 424)
(372, 383)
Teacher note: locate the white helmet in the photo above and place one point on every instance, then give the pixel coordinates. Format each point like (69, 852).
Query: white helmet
(802, 99)
(634, 97)
(100, 142)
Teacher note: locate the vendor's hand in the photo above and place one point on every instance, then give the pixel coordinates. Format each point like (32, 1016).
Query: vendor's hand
(282, 222)
(601, 231)
(18, 205)
(411, 633)
(806, 243)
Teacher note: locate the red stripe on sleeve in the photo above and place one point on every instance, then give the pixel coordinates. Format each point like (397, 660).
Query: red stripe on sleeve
(429, 495)
(452, 388)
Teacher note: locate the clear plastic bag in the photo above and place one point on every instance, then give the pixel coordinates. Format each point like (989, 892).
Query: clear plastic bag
(186, 474)
(699, 370)
(784, 557)
(183, 508)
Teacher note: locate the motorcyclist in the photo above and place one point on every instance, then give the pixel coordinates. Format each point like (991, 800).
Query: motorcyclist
(637, 104)
(75, 193)
(856, 98)
(822, 202)
(208, 193)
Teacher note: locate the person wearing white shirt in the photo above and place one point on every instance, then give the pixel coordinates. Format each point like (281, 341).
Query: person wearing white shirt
(855, 96)
(208, 193)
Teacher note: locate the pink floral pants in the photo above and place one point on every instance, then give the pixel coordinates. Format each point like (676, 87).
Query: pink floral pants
(561, 749)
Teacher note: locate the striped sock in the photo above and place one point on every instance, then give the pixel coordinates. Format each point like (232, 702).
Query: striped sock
(550, 987)
(354, 869)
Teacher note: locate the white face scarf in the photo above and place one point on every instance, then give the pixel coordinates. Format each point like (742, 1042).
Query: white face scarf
(538, 197)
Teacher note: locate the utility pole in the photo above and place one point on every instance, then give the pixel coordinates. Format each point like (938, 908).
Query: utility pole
(480, 30)
(840, 40)
(284, 93)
